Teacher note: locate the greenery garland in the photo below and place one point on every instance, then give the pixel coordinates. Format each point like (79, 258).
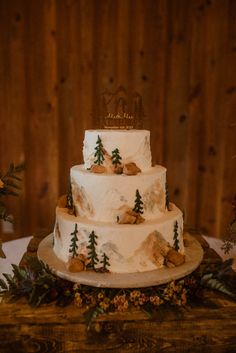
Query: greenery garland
(38, 284)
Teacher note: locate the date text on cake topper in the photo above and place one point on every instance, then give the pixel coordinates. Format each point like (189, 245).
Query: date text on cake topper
(118, 111)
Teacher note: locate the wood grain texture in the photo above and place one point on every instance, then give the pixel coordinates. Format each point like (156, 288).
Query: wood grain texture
(54, 329)
(57, 57)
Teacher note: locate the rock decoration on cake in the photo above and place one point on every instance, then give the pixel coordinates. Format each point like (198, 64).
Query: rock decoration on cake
(77, 262)
(113, 162)
(119, 200)
(159, 251)
(128, 215)
(131, 169)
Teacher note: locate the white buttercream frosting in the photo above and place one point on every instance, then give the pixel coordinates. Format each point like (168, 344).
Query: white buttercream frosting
(99, 197)
(123, 244)
(133, 145)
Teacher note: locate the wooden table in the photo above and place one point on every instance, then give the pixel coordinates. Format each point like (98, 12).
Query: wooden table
(209, 328)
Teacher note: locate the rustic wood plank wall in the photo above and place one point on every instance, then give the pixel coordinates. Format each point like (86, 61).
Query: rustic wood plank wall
(58, 56)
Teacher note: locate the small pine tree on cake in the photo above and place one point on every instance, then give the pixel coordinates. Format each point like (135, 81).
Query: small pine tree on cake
(167, 198)
(69, 200)
(176, 236)
(116, 158)
(138, 204)
(99, 154)
(73, 246)
(105, 263)
(92, 255)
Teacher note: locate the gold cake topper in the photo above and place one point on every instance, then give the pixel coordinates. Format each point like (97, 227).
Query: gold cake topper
(120, 112)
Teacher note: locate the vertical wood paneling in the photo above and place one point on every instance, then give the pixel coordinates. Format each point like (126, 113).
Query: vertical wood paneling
(58, 56)
(12, 98)
(153, 74)
(104, 53)
(214, 119)
(227, 179)
(122, 38)
(177, 88)
(69, 64)
(75, 84)
(42, 128)
(194, 167)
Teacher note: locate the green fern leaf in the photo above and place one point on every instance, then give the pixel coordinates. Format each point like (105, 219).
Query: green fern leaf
(209, 281)
(9, 278)
(91, 315)
(3, 285)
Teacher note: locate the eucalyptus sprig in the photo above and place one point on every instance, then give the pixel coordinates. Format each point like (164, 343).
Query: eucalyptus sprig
(222, 278)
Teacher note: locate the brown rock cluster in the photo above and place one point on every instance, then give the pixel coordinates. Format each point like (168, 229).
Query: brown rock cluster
(127, 169)
(77, 264)
(62, 203)
(175, 258)
(128, 216)
(99, 169)
(118, 169)
(160, 252)
(131, 169)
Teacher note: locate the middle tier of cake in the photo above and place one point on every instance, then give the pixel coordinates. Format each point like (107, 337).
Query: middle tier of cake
(100, 197)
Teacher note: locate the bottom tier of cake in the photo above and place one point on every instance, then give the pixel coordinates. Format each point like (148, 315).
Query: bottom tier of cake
(125, 248)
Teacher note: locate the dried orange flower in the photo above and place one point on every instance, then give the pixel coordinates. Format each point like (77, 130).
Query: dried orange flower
(78, 300)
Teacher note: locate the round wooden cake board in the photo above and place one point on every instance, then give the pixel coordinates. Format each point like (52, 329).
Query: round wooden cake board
(193, 258)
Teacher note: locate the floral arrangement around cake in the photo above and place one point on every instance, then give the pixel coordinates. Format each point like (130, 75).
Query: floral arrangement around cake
(39, 285)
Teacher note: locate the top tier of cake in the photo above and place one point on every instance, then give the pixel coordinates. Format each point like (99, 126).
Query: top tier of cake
(133, 145)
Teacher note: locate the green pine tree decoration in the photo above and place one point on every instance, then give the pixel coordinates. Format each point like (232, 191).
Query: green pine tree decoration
(138, 206)
(92, 255)
(167, 198)
(73, 246)
(176, 236)
(105, 263)
(99, 154)
(116, 158)
(69, 198)
(69, 201)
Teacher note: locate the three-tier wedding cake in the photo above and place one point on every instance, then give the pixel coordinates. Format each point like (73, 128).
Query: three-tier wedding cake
(117, 217)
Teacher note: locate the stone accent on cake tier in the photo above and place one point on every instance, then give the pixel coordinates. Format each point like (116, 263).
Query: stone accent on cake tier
(99, 197)
(130, 248)
(133, 146)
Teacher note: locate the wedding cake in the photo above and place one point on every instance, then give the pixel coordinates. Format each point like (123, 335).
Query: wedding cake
(117, 216)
